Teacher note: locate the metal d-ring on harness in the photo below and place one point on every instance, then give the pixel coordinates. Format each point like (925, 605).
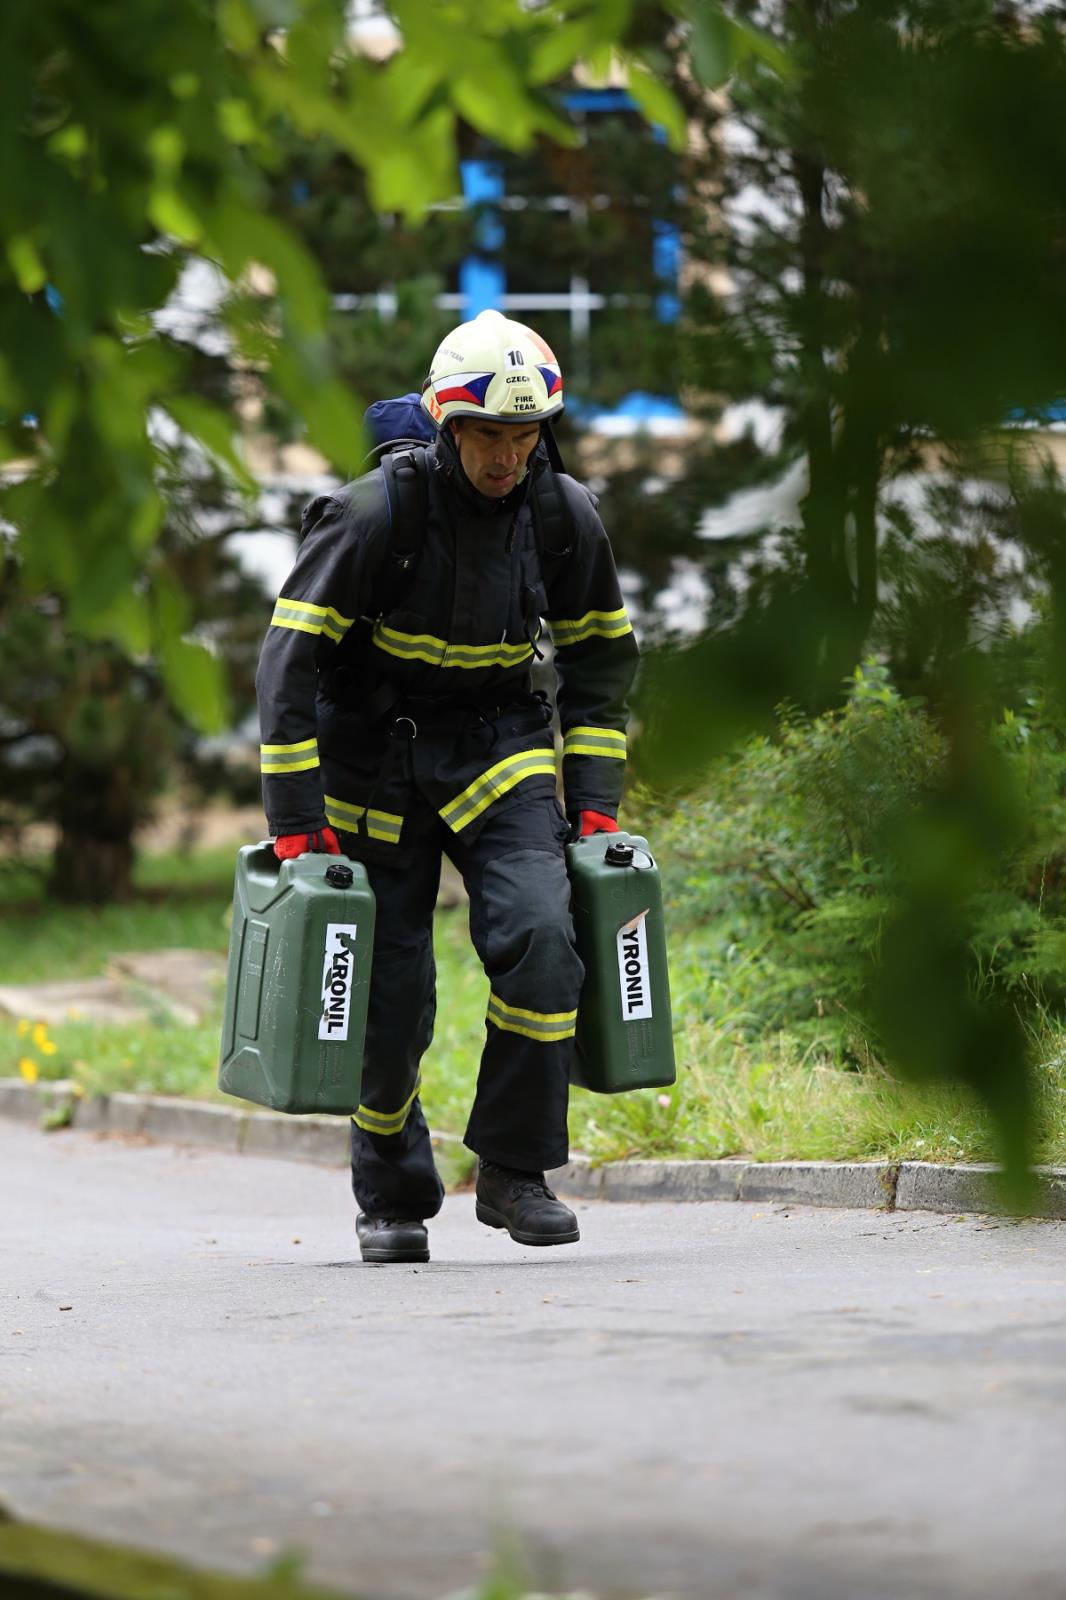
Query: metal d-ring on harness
(399, 742)
(402, 729)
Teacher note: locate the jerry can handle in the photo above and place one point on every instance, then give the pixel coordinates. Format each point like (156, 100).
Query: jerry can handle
(262, 860)
(262, 863)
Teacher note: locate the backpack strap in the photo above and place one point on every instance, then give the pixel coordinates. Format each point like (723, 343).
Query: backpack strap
(405, 472)
(551, 447)
(377, 454)
(406, 476)
(553, 525)
(554, 536)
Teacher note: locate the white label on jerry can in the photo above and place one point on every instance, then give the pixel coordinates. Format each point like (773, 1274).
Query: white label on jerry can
(337, 981)
(634, 974)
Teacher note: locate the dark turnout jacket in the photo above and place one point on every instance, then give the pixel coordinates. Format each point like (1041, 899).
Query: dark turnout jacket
(452, 657)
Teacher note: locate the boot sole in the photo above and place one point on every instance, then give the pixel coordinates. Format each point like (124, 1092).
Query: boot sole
(383, 1258)
(493, 1219)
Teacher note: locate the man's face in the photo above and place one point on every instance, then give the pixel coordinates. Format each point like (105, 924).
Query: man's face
(494, 454)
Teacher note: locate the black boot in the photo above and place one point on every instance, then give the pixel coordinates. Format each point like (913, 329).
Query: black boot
(522, 1203)
(384, 1239)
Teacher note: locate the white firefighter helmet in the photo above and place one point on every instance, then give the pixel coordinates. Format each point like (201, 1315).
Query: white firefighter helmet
(495, 369)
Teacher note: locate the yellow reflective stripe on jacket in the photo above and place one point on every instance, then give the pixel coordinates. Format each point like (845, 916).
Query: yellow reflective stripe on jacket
(547, 1027)
(495, 783)
(593, 625)
(439, 653)
(384, 825)
(595, 742)
(386, 1121)
(305, 617)
(300, 757)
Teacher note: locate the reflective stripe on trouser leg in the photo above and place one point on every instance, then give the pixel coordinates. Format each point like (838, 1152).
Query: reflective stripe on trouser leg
(543, 1027)
(393, 1172)
(394, 1175)
(386, 1121)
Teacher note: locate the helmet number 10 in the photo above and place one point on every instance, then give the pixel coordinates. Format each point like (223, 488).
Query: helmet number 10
(515, 358)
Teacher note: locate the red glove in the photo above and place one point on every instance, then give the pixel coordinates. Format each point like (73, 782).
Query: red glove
(595, 822)
(291, 845)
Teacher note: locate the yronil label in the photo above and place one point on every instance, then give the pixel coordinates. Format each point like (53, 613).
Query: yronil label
(337, 974)
(634, 973)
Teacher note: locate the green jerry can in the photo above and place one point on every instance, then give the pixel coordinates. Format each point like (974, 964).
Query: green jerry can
(297, 982)
(624, 1029)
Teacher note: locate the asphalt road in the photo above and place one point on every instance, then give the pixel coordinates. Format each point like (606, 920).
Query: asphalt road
(701, 1400)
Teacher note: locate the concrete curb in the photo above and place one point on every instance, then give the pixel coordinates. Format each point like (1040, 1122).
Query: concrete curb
(856, 1185)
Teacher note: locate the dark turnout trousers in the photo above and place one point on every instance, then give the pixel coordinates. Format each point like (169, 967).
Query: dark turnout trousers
(515, 874)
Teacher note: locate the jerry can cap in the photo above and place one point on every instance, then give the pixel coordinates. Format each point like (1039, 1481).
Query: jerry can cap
(619, 855)
(340, 876)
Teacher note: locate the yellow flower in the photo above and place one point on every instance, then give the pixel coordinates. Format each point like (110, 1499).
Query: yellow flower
(28, 1069)
(23, 1029)
(42, 1041)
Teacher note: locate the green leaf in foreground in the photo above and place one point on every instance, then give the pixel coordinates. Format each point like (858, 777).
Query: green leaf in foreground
(43, 1562)
(712, 41)
(658, 104)
(215, 431)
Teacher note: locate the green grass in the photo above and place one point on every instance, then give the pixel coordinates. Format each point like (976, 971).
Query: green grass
(770, 1101)
(766, 1097)
(180, 900)
(164, 1058)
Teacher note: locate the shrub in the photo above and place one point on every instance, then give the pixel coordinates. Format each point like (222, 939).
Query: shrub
(780, 873)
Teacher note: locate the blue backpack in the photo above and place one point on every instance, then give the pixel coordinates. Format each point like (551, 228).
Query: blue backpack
(400, 421)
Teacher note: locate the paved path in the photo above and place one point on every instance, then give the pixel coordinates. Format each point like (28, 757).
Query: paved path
(701, 1400)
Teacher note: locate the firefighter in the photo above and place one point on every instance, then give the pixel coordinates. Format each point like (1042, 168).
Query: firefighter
(394, 732)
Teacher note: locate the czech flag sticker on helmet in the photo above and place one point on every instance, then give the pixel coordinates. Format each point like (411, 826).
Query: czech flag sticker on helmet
(469, 386)
(553, 378)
